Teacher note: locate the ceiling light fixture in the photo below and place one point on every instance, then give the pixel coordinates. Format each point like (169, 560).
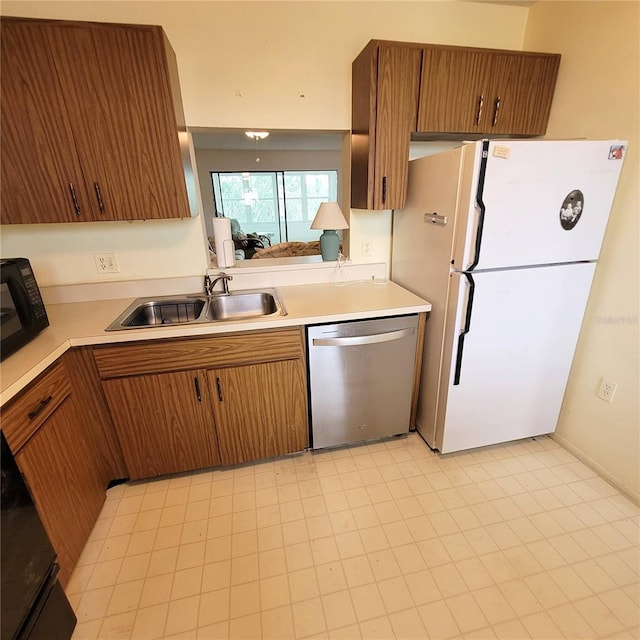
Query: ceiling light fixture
(256, 135)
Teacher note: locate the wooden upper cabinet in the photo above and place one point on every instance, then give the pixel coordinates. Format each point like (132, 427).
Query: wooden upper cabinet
(385, 86)
(481, 91)
(452, 90)
(91, 111)
(523, 85)
(40, 173)
(399, 88)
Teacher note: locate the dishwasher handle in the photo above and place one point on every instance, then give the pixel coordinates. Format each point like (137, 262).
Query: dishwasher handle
(353, 341)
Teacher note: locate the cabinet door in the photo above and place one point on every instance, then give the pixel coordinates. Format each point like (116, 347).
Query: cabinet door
(454, 92)
(398, 81)
(163, 422)
(385, 80)
(40, 170)
(522, 91)
(486, 92)
(116, 87)
(89, 128)
(260, 410)
(57, 466)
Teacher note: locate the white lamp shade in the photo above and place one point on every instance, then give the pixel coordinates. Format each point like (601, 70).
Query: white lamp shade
(329, 216)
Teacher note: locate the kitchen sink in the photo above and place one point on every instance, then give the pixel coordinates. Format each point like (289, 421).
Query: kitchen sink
(198, 309)
(241, 305)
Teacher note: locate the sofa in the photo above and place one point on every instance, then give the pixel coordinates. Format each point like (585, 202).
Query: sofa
(288, 250)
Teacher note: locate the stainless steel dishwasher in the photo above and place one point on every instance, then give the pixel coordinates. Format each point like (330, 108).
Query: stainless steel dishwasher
(361, 379)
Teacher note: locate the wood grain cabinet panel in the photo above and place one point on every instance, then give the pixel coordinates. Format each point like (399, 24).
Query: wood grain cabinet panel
(524, 85)
(25, 414)
(260, 410)
(385, 86)
(40, 173)
(155, 356)
(399, 88)
(92, 122)
(94, 413)
(68, 494)
(61, 435)
(453, 91)
(483, 91)
(191, 403)
(45, 431)
(163, 422)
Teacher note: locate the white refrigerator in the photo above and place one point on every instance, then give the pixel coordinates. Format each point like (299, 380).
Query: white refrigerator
(502, 237)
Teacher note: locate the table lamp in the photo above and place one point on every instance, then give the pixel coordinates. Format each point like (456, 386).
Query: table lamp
(329, 218)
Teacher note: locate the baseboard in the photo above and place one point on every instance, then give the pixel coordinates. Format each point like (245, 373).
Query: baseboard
(592, 464)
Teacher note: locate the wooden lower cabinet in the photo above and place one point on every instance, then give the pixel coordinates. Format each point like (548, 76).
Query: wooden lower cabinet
(163, 422)
(94, 414)
(61, 440)
(192, 403)
(58, 465)
(260, 410)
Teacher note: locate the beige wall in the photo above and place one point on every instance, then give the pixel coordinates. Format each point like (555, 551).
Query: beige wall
(248, 64)
(598, 96)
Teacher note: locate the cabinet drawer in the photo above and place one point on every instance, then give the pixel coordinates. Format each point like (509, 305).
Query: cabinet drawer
(193, 353)
(23, 416)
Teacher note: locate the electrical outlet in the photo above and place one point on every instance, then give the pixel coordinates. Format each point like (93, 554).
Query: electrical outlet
(106, 262)
(367, 249)
(607, 390)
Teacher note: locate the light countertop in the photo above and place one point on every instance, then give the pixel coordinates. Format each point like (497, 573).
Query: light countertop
(83, 323)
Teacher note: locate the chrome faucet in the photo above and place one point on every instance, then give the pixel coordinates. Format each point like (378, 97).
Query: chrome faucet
(210, 284)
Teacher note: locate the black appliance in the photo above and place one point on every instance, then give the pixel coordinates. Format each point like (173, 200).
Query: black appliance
(32, 602)
(22, 312)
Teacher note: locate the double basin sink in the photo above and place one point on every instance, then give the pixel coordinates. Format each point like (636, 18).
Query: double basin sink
(198, 309)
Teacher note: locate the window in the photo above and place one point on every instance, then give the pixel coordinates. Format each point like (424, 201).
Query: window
(278, 204)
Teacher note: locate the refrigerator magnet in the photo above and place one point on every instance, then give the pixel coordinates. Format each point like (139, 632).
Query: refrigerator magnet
(616, 151)
(501, 152)
(571, 209)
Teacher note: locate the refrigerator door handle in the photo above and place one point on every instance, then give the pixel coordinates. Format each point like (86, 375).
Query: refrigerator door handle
(436, 218)
(467, 327)
(480, 204)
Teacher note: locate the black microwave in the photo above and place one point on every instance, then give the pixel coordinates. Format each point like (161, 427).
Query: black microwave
(22, 312)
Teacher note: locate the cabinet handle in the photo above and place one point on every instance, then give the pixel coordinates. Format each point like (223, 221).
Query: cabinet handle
(96, 187)
(384, 189)
(496, 111)
(219, 387)
(74, 198)
(40, 407)
(479, 112)
(196, 384)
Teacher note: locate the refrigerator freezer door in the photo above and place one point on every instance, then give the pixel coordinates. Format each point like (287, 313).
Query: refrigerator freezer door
(516, 356)
(546, 202)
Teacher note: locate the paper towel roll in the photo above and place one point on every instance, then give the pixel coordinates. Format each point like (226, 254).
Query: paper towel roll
(225, 250)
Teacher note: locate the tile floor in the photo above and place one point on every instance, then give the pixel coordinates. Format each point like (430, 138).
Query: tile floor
(386, 540)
